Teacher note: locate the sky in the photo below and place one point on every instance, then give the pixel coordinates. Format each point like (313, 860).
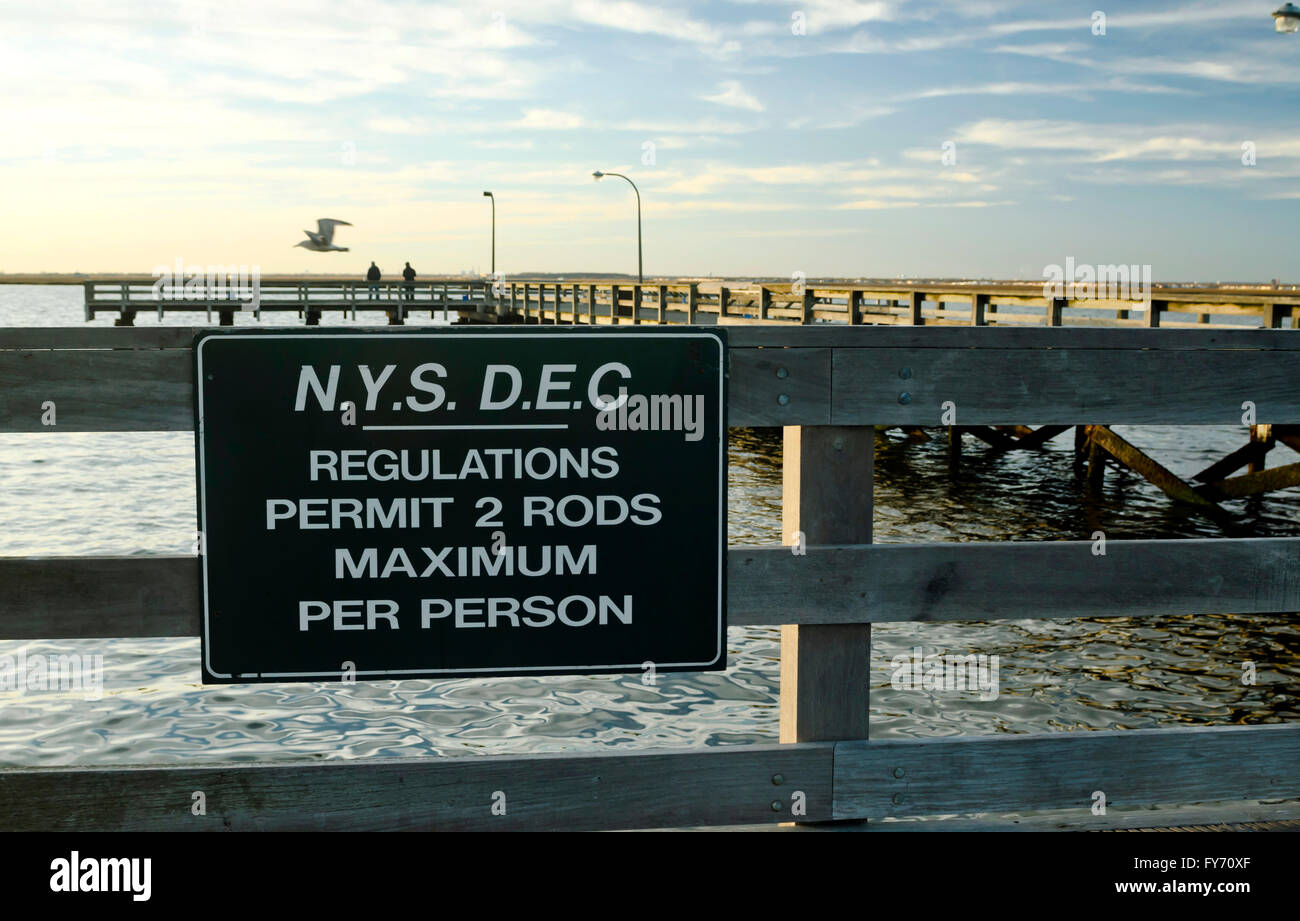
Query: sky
(862, 138)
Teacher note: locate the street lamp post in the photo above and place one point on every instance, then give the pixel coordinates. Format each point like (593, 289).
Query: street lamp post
(598, 175)
(494, 232)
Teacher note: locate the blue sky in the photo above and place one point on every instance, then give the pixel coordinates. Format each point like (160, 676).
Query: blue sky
(215, 132)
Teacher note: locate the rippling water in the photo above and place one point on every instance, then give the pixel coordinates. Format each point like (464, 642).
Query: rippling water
(80, 494)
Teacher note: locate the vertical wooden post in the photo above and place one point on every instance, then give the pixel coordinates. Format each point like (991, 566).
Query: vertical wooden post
(663, 303)
(591, 305)
(636, 305)
(614, 298)
(978, 305)
(1277, 313)
(1096, 466)
(915, 300)
(809, 299)
(764, 301)
(1261, 435)
(724, 294)
(1153, 312)
(854, 298)
(692, 302)
(954, 449)
(1055, 310)
(826, 499)
(576, 299)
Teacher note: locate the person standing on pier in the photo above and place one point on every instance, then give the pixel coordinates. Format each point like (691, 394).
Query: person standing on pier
(408, 273)
(373, 274)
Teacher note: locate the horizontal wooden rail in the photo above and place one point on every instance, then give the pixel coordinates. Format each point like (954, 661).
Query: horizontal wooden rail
(879, 779)
(653, 789)
(986, 376)
(740, 337)
(744, 784)
(138, 596)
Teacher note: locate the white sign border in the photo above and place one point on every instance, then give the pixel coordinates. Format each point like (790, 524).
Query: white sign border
(719, 650)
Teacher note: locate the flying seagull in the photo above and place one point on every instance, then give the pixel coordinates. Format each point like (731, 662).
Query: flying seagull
(323, 240)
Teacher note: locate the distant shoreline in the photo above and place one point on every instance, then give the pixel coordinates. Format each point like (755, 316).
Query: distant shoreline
(80, 278)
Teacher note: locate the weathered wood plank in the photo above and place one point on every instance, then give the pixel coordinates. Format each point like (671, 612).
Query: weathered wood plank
(67, 597)
(96, 391)
(1061, 386)
(778, 386)
(826, 497)
(778, 336)
(1013, 337)
(1057, 770)
(708, 786)
(99, 596)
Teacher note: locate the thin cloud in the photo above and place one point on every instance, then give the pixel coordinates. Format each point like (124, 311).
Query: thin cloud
(730, 93)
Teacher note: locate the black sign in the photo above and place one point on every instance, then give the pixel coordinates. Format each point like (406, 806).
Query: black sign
(405, 504)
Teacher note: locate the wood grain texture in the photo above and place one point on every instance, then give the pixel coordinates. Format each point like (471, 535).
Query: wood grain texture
(761, 377)
(1062, 386)
(96, 391)
(1059, 770)
(823, 335)
(66, 597)
(707, 786)
(826, 497)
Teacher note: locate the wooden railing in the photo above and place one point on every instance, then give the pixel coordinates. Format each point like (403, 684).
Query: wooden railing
(614, 302)
(827, 385)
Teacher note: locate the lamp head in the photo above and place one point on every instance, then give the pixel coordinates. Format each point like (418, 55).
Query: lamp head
(597, 175)
(1287, 18)
(488, 194)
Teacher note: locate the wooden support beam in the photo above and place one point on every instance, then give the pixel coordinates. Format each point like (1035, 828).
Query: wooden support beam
(978, 306)
(854, 304)
(1154, 309)
(1040, 436)
(1055, 311)
(663, 303)
(915, 301)
(1250, 484)
(809, 302)
(764, 301)
(1261, 435)
(954, 449)
(692, 302)
(1289, 435)
(1096, 477)
(1228, 465)
(991, 436)
(1135, 460)
(826, 499)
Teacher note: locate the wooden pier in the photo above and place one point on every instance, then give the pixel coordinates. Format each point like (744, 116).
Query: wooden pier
(828, 385)
(586, 301)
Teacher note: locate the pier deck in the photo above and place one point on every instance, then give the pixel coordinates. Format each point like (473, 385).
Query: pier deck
(585, 301)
